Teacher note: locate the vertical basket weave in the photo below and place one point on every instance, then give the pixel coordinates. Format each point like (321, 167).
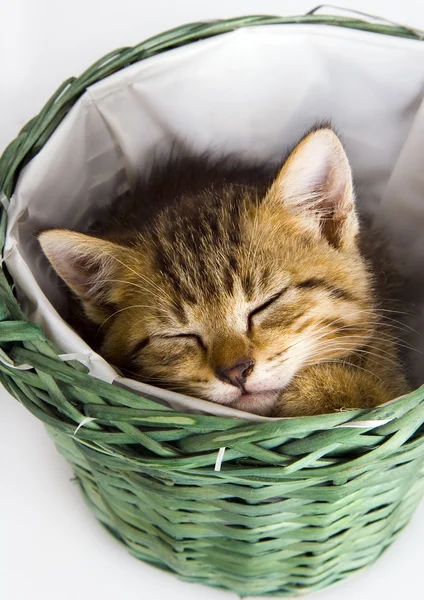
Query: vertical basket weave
(297, 505)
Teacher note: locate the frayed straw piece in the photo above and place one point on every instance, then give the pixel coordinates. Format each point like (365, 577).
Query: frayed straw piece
(81, 356)
(219, 458)
(5, 360)
(365, 424)
(83, 422)
(4, 201)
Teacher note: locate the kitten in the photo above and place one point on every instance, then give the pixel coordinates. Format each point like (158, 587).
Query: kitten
(244, 286)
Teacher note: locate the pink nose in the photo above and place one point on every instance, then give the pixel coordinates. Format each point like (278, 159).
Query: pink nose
(236, 374)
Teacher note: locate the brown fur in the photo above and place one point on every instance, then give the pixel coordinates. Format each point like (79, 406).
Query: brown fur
(219, 265)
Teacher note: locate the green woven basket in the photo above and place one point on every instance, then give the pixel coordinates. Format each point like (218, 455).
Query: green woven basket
(297, 505)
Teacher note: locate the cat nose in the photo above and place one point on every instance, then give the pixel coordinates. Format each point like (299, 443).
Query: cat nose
(236, 374)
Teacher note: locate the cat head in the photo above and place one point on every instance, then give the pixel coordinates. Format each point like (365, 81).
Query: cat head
(230, 294)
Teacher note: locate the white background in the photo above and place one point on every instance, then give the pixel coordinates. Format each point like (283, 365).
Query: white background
(50, 545)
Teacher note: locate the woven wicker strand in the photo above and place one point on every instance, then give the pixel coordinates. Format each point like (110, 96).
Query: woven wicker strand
(297, 504)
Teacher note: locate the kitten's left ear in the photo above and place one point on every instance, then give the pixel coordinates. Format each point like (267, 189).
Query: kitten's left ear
(316, 183)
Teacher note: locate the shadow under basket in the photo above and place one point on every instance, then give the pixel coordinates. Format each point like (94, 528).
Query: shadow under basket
(297, 504)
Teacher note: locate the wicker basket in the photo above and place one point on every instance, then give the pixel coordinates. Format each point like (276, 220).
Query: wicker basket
(297, 505)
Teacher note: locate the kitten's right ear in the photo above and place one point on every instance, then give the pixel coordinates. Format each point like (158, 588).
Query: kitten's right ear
(88, 265)
(315, 183)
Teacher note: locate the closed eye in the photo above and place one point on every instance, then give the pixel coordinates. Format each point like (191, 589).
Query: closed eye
(262, 307)
(193, 336)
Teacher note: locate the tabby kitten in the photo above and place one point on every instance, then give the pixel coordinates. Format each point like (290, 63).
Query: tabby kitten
(239, 285)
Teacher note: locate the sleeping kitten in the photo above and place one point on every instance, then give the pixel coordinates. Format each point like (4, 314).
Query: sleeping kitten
(243, 286)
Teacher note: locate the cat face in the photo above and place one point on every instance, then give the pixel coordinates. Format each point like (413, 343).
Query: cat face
(230, 295)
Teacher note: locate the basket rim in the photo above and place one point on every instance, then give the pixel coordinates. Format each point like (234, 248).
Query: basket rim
(28, 347)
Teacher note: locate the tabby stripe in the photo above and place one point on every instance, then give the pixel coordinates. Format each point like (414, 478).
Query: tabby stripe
(139, 346)
(335, 292)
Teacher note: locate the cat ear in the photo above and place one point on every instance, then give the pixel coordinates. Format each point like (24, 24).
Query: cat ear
(88, 266)
(316, 183)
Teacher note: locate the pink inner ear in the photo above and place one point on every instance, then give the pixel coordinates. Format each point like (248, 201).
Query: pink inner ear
(77, 272)
(317, 175)
(336, 194)
(316, 184)
(76, 258)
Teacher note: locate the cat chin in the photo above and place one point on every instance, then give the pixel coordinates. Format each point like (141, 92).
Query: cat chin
(260, 403)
